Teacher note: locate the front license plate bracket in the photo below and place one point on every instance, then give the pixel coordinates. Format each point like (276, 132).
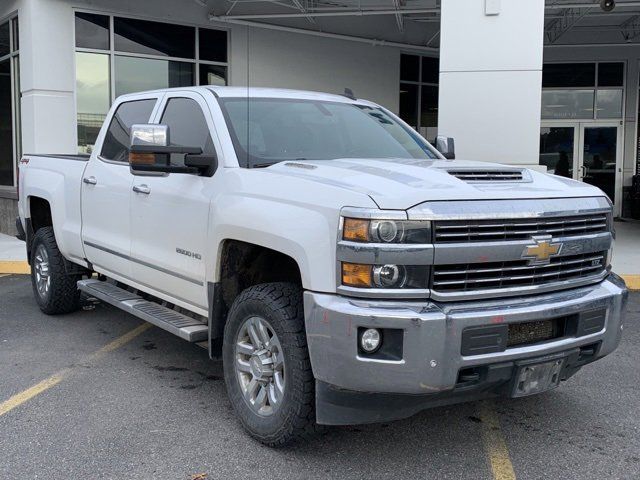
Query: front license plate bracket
(537, 378)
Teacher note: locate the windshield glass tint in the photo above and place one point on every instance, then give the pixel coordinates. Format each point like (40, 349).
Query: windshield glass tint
(271, 130)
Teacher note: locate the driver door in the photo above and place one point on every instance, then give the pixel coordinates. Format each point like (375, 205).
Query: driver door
(170, 212)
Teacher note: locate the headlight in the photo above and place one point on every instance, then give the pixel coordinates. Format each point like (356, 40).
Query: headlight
(386, 231)
(384, 276)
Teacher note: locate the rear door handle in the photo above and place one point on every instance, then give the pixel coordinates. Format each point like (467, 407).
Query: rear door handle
(142, 189)
(90, 180)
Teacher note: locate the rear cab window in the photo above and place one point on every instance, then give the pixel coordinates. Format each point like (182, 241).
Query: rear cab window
(117, 140)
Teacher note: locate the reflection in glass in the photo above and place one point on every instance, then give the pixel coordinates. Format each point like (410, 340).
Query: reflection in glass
(409, 103)
(564, 104)
(609, 103)
(154, 38)
(410, 68)
(429, 106)
(139, 74)
(430, 69)
(600, 145)
(213, 75)
(212, 45)
(611, 74)
(556, 150)
(4, 39)
(6, 126)
(92, 96)
(92, 31)
(568, 75)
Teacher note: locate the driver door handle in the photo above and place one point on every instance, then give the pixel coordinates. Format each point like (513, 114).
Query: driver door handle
(142, 189)
(90, 180)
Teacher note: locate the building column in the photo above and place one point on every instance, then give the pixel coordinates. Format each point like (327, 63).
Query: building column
(491, 78)
(47, 77)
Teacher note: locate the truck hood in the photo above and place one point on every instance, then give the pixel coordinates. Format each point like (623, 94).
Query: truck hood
(399, 184)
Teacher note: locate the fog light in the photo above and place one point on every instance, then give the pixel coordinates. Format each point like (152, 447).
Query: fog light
(370, 340)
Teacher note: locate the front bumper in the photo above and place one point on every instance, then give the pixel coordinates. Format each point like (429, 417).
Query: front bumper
(431, 362)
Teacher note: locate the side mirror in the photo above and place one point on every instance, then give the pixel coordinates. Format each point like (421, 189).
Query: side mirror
(150, 152)
(446, 146)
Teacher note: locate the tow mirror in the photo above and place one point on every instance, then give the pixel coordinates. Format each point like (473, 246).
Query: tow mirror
(151, 152)
(446, 146)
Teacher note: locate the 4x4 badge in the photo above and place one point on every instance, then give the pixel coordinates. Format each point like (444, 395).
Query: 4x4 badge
(542, 251)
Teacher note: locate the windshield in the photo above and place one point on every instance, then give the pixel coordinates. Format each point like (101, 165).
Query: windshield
(270, 130)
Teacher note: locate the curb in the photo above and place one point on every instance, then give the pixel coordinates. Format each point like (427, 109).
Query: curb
(14, 267)
(632, 281)
(20, 267)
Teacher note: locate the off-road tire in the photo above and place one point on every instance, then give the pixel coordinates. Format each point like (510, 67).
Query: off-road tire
(63, 295)
(281, 305)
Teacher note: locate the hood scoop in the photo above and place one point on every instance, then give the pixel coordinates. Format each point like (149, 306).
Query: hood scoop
(490, 175)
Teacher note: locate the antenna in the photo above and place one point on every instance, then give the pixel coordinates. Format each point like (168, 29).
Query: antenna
(349, 94)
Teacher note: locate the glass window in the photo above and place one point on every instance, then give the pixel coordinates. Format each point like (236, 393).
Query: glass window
(92, 31)
(409, 103)
(430, 70)
(187, 127)
(6, 125)
(4, 39)
(135, 74)
(154, 38)
(16, 34)
(213, 75)
(564, 104)
(429, 106)
(611, 74)
(410, 68)
(566, 75)
(118, 138)
(212, 45)
(609, 103)
(556, 150)
(92, 97)
(267, 131)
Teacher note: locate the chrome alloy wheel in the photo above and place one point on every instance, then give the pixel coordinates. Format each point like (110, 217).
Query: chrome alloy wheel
(259, 365)
(41, 269)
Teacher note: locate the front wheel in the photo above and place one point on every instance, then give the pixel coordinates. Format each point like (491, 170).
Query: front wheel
(266, 364)
(55, 291)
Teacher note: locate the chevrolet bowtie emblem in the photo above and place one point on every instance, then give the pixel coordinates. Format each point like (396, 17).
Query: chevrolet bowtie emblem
(542, 251)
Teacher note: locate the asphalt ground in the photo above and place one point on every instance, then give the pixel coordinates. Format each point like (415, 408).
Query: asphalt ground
(80, 401)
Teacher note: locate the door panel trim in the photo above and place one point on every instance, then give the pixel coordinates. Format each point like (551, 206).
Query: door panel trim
(146, 264)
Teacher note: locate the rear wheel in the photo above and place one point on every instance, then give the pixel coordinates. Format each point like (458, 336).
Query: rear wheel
(266, 364)
(55, 291)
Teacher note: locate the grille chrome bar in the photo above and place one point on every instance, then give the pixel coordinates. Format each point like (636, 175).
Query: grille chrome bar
(517, 229)
(466, 277)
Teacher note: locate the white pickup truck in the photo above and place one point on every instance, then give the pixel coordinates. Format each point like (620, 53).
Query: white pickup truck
(344, 269)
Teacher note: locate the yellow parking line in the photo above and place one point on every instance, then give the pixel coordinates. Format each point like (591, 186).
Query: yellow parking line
(26, 395)
(632, 281)
(495, 444)
(7, 267)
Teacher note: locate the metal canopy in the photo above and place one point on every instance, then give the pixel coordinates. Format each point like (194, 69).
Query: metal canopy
(415, 24)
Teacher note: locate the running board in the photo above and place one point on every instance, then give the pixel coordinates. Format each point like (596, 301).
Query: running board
(181, 325)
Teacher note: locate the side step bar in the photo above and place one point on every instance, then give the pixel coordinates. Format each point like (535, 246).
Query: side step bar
(181, 325)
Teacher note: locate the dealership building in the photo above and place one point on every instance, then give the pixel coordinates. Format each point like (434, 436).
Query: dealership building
(551, 85)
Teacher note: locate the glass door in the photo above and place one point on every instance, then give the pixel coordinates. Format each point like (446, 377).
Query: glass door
(558, 148)
(599, 157)
(587, 151)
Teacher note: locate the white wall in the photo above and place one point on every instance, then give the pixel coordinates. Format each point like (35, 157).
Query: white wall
(47, 78)
(299, 61)
(491, 78)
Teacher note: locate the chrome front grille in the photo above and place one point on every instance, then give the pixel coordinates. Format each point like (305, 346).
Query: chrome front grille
(464, 231)
(509, 274)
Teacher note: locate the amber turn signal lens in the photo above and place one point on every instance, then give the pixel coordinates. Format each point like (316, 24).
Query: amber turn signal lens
(356, 275)
(355, 230)
(142, 158)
